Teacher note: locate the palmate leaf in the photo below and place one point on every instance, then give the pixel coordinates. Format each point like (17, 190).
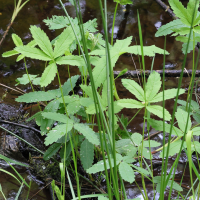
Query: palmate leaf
(196, 131)
(99, 166)
(52, 150)
(147, 50)
(30, 44)
(10, 53)
(171, 93)
(25, 79)
(99, 71)
(175, 147)
(181, 117)
(42, 40)
(57, 117)
(167, 28)
(180, 11)
(74, 61)
(158, 125)
(46, 124)
(62, 44)
(37, 96)
(32, 53)
(130, 103)
(48, 75)
(126, 172)
(153, 85)
(88, 133)
(17, 40)
(192, 9)
(57, 132)
(86, 154)
(158, 110)
(123, 2)
(69, 85)
(134, 88)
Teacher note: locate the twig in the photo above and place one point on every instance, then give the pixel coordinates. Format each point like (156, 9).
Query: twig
(22, 125)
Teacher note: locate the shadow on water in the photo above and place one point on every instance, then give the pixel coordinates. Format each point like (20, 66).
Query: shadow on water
(151, 16)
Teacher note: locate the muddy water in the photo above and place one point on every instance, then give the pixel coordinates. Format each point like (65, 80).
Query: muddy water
(151, 16)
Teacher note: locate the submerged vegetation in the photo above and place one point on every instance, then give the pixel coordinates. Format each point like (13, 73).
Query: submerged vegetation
(89, 128)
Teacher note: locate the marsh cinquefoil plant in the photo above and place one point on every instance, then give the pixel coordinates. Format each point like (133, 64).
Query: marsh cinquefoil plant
(181, 27)
(75, 115)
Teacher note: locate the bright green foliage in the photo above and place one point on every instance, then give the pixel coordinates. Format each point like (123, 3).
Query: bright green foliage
(86, 154)
(99, 166)
(123, 2)
(33, 53)
(64, 40)
(182, 26)
(37, 96)
(56, 117)
(42, 40)
(17, 40)
(194, 109)
(52, 150)
(175, 186)
(48, 75)
(57, 132)
(119, 48)
(152, 87)
(181, 117)
(24, 79)
(126, 172)
(87, 132)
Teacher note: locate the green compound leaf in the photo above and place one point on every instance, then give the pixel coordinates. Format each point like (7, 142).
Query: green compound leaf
(48, 75)
(86, 154)
(158, 125)
(153, 85)
(152, 143)
(37, 96)
(52, 150)
(74, 61)
(174, 148)
(158, 110)
(17, 40)
(42, 40)
(192, 9)
(33, 53)
(168, 94)
(57, 117)
(118, 49)
(126, 172)
(46, 124)
(123, 2)
(167, 28)
(99, 166)
(69, 85)
(180, 11)
(88, 133)
(147, 50)
(181, 117)
(57, 132)
(25, 80)
(196, 131)
(62, 44)
(129, 103)
(10, 53)
(134, 88)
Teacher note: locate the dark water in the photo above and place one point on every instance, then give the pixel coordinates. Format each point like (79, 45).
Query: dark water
(151, 16)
